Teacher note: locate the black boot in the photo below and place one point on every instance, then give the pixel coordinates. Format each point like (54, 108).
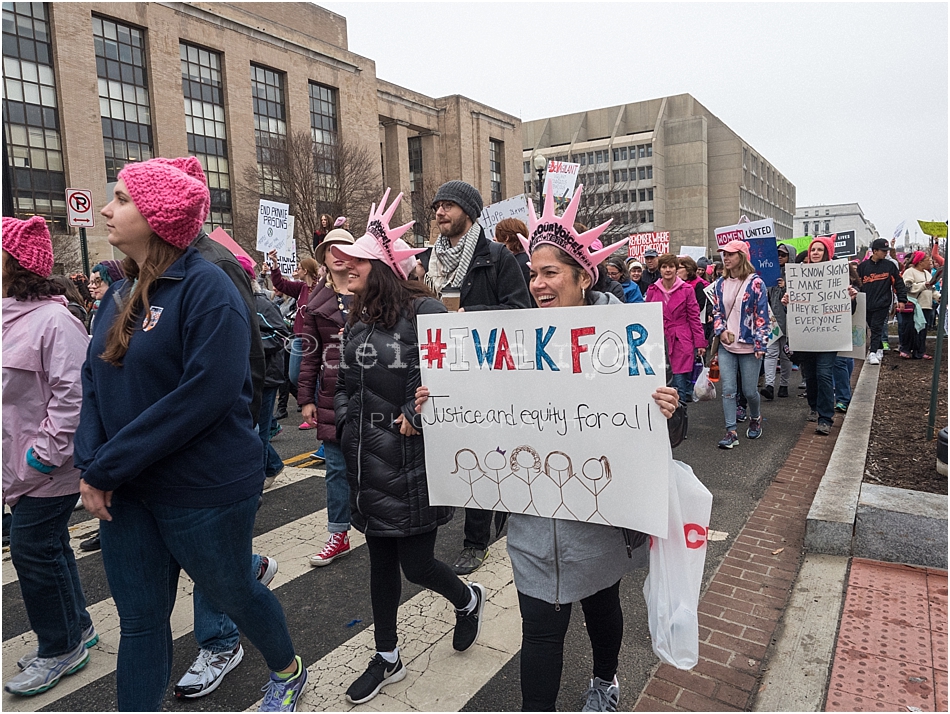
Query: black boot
(768, 391)
(282, 404)
(783, 391)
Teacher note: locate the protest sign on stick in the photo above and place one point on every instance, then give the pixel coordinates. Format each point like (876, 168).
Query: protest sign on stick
(859, 329)
(763, 252)
(640, 243)
(492, 215)
(560, 179)
(271, 225)
(819, 308)
(548, 412)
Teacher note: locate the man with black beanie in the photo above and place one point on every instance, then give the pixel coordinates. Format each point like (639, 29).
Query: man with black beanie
(879, 279)
(489, 278)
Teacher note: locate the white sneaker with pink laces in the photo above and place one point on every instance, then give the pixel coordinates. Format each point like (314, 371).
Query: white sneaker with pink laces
(336, 547)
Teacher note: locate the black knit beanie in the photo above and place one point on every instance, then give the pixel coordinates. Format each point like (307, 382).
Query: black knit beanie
(463, 194)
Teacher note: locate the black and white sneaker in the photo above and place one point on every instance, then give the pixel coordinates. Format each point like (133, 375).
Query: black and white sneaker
(207, 672)
(469, 624)
(377, 675)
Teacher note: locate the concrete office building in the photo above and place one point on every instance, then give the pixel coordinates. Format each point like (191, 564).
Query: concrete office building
(835, 218)
(664, 164)
(89, 87)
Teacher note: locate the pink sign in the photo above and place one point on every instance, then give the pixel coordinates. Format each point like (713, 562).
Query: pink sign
(642, 242)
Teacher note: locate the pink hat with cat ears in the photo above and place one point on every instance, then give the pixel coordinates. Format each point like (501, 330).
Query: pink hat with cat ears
(382, 242)
(559, 231)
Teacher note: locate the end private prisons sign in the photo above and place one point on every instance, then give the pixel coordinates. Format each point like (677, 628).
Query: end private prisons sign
(763, 252)
(549, 413)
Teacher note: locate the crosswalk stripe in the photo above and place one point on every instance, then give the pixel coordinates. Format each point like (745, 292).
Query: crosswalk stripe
(290, 544)
(80, 531)
(426, 624)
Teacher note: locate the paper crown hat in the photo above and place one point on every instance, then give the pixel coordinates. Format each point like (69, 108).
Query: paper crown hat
(380, 242)
(559, 231)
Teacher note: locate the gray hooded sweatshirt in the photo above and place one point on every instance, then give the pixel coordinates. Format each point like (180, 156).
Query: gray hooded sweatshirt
(560, 561)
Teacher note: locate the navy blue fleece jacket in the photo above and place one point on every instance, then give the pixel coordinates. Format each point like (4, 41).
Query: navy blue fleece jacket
(173, 424)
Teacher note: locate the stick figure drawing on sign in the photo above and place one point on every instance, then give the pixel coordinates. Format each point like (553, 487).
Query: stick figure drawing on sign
(597, 475)
(558, 468)
(526, 467)
(466, 465)
(495, 464)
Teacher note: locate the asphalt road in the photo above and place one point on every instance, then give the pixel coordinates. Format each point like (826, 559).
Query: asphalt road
(326, 607)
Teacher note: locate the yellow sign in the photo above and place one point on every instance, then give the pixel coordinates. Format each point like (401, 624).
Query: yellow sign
(937, 229)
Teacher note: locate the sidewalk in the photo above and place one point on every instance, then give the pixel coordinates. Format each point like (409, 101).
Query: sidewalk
(891, 649)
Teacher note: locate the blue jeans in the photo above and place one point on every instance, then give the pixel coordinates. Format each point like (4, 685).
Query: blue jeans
(338, 489)
(214, 630)
(682, 385)
(731, 367)
(296, 356)
(842, 370)
(818, 370)
(46, 569)
(272, 461)
(144, 548)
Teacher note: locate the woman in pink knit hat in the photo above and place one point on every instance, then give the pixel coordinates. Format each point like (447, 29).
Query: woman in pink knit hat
(43, 351)
(174, 334)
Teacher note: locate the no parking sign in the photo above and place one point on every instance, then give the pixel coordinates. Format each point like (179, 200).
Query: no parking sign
(79, 213)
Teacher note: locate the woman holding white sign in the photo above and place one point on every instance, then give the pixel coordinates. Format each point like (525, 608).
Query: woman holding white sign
(741, 321)
(559, 562)
(817, 367)
(382, 444)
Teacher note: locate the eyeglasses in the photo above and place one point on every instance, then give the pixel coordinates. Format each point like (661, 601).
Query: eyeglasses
(444, 206)
(95, 282)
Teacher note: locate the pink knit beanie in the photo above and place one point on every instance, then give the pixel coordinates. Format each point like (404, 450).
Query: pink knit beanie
(29, 242)
(171, 194)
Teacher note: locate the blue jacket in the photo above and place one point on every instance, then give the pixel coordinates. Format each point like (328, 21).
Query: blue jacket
(173, 425)
(631, 292)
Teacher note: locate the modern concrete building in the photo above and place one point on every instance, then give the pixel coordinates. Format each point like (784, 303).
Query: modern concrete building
(665, 164)
(835, 218)
(90, 86)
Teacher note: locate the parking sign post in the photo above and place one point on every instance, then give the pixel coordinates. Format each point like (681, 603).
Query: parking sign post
(79, 215)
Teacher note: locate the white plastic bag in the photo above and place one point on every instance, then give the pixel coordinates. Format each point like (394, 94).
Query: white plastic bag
(673, 584)
(704, 390)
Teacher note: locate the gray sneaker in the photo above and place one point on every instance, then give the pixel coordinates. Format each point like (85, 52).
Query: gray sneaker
(89, 638)
(602, 696)
(45, 672)
(812, 416)
(469, 560)
(823, 428)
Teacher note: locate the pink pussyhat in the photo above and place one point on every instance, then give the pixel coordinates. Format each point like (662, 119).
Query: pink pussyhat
(736, 246)
(559, 232)
(381, 242)
(29, 242)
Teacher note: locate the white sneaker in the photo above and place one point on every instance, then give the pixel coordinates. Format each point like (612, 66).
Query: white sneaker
(207, 672)
(873, 358)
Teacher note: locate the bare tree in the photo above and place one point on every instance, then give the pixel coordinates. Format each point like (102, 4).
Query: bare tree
(422, 212)
(341, 179)
(68, 258)
(600, 204)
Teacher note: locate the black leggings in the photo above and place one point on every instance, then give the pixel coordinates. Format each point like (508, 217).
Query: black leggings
(542, 643)
(416, 555)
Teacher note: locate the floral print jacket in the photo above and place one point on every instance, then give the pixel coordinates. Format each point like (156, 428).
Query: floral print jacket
(755, 327)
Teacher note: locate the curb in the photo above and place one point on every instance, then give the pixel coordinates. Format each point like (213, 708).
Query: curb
(741, 608)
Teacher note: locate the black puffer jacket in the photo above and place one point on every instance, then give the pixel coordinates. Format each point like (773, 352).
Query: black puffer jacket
(388, 491)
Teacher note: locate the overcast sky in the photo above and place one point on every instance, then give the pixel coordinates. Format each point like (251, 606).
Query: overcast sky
(848, 101)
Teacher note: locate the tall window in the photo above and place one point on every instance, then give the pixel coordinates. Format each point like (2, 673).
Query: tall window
(30, 119)
(323, 129)
(204, 122)
(415, 163)
(270, 127)
(123, 94)
(495, 154)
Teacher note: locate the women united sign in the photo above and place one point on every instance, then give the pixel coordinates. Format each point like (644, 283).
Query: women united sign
(548, 412)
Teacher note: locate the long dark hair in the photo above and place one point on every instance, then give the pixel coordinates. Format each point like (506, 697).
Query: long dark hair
(385, 296)
(25, 285)
(159, 257)
(578, 272)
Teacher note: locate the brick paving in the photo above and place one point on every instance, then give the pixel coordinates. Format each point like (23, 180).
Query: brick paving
(742, 605)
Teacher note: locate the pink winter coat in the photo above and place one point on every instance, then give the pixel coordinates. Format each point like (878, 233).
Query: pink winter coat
(44, 347)
(681, 324)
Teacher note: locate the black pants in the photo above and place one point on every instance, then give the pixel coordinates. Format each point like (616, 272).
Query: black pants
(877, 324)
(477, 528)
(542, 643)
(416, 555)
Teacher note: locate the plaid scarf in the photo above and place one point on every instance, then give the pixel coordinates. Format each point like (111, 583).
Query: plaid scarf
(451, 264)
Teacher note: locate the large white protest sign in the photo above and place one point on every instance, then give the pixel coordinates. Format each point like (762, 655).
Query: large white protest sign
(272, 225)
(819, 308)
(640, 243)
(287, 254)
(492, 215)
(548, 412)
(859, 329)
(560, 179)
(693, 251)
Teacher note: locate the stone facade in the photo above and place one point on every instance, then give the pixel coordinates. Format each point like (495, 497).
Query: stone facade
(304, 42)
(835, 218)
(703, 174)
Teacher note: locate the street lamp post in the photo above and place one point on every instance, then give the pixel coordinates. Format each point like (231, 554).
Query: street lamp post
(540, 163)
